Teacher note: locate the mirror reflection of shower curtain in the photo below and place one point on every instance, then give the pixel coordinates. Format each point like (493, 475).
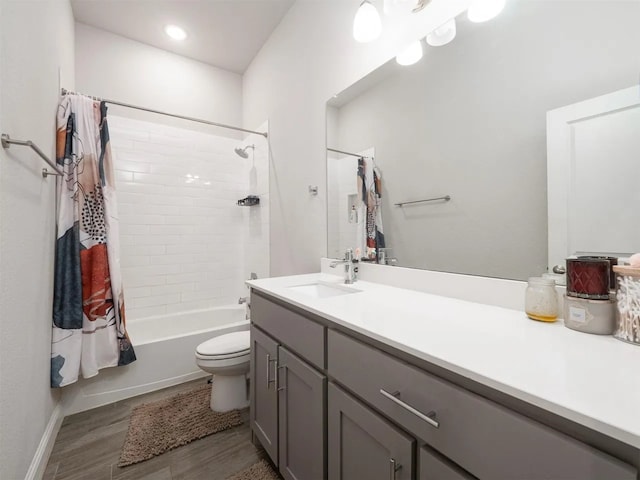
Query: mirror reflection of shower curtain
(369, 229)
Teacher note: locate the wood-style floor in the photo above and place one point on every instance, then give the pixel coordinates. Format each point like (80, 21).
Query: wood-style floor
(88, 447)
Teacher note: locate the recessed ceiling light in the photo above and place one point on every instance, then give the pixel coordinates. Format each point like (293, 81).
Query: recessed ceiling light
(175, 32)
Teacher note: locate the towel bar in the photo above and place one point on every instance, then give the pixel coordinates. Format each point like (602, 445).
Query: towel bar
(7, 142)
(446, 198)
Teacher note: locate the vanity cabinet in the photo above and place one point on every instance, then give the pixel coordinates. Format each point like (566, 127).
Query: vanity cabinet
(435, 467)
(288, 393)
(301, 397)
(327, 405)
(263, 392)
(361, 444)
(482, 437)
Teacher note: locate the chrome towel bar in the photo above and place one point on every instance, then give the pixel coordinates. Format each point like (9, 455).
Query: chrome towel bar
(446, 198)
(7, 142)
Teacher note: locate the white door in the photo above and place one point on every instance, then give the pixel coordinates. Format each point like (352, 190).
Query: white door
(593, 177)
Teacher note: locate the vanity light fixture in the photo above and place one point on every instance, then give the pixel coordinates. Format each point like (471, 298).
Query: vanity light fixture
(483, 10)
(411, 54)
(366, 24)
(443, 34)
(398, 7)
(175, 32)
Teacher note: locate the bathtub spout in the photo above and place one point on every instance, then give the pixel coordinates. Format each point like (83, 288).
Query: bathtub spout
(242, 300)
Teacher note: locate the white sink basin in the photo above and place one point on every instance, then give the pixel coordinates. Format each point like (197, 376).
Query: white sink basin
(322, 290)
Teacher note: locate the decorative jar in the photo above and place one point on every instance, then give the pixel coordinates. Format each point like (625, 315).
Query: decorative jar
(541, 299)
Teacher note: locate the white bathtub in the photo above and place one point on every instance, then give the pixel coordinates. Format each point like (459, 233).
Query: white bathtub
(165, 350)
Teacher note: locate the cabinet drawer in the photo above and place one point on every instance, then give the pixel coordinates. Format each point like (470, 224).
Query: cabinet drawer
(481, 436)
(301, 335)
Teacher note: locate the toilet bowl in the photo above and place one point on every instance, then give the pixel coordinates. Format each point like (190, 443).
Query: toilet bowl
(227, 358)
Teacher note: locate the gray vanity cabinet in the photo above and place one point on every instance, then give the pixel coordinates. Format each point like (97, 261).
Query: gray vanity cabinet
(435, 467)
(328, 405)
(288, 390)
(362, 445)
(264, 396)
(301, 418)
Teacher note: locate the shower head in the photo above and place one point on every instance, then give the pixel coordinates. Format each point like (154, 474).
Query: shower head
(242, 152)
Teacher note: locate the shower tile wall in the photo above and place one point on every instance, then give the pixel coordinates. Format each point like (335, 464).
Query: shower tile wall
(185, 244)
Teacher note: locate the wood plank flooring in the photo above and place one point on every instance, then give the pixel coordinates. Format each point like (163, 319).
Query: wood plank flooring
(88, 447)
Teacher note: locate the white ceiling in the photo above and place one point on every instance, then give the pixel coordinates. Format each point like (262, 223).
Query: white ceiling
(224, 33)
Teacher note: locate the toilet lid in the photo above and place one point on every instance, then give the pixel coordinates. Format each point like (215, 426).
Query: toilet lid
(229, 343)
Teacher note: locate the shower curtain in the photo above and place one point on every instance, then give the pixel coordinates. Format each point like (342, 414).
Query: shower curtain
(370, 234)
(88, 309)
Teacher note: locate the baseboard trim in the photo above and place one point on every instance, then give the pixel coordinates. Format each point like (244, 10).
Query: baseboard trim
(41, 457)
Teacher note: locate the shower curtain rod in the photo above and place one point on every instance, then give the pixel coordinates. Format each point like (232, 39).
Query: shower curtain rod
(64, 91)
(347, 153)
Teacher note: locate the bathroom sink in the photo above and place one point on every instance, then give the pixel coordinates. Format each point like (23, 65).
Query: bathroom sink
(322, 290)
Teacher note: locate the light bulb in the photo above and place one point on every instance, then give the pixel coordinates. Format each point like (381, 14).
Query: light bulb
(175, 32)
(483, 10)
(443, 34)
(366, 25)
(411, 54)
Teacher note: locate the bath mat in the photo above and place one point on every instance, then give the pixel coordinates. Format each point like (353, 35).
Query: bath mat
(258, 471)
(157, 427)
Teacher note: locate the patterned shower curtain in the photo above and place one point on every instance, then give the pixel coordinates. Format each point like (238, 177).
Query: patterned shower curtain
(370, 234)
(88, 309)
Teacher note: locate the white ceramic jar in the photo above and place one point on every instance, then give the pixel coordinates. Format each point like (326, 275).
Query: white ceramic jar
(541, 299)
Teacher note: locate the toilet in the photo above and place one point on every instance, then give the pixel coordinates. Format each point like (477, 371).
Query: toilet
(227, 358)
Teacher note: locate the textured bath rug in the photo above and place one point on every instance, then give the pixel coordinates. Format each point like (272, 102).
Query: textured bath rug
(258, 471)
(157, 427)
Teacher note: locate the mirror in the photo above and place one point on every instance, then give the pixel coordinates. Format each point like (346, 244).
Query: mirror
(469, 121)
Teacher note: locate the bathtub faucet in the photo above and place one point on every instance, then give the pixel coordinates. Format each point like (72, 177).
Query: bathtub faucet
(242, 300)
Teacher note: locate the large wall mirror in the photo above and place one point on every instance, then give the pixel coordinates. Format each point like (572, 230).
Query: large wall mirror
(469, 122)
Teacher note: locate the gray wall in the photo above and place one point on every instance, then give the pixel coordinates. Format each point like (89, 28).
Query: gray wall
(469, 120)
(36, 50)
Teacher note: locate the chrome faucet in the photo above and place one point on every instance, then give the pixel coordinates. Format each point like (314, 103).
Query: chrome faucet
(350, 266)
(242, 300)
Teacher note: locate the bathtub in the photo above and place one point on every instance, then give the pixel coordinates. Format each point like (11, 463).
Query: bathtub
(165, 350)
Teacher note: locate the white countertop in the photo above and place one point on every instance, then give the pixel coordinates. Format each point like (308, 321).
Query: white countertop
(592, 380)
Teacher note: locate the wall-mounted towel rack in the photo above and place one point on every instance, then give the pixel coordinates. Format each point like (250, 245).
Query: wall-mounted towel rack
(446, 198)
(7, 142)
(347, 153)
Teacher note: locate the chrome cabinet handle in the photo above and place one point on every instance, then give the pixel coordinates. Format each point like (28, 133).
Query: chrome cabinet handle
(393, 468)
(278, 388)
(430, 417)
(269, 380)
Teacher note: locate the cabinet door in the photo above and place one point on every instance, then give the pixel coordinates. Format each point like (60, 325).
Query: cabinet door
(264, 397)
(362, 445)
(435, 467)
(301, 416)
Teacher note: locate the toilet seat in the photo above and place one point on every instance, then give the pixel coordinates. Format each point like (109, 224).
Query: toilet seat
(230, 345)
(230, 356)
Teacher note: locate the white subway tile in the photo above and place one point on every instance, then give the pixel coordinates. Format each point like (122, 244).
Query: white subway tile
(173, 289)
(133, 280)
(154, 301)
(137, 292)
